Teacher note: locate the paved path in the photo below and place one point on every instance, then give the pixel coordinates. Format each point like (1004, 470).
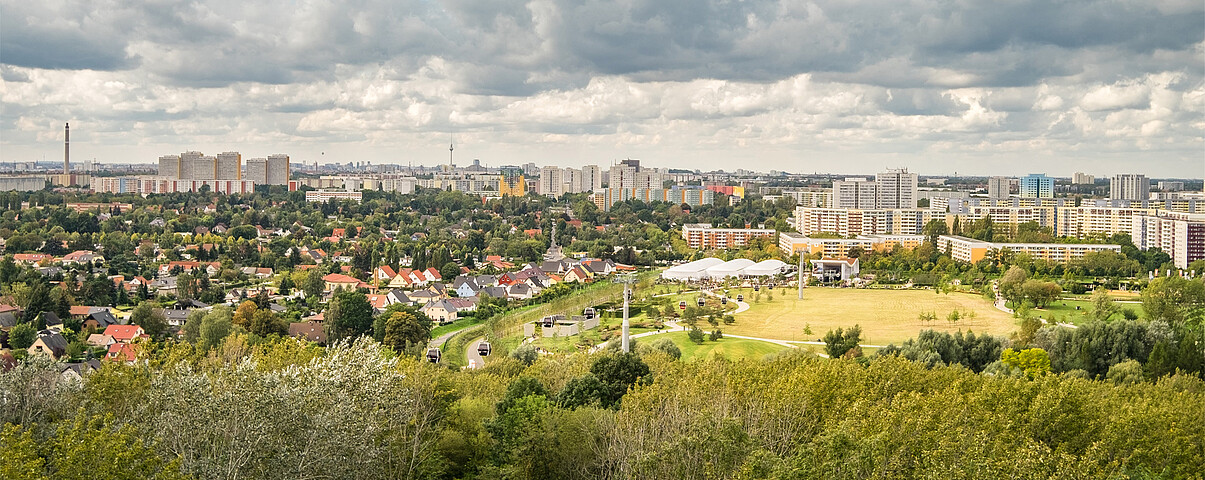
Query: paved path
(740, 306)
(470, 353)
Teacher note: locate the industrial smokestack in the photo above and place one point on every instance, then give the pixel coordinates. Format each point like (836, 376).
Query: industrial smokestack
(67, 149)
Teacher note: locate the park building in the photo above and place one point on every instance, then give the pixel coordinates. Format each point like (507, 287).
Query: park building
(704, 236)
(971, 250)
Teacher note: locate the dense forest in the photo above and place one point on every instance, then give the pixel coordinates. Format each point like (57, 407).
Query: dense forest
(283, 409)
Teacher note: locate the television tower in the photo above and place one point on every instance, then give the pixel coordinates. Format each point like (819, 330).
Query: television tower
(451, 145)
(67, 149)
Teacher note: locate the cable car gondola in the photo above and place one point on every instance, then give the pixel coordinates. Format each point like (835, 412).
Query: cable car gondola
(484, 348)
(740, 297)
(723, 300)
(702, 302)
(757, 288)
(682, 305)
(433, 355)
(588, 313)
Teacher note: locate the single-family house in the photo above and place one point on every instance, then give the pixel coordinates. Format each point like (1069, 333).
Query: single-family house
(123, 352)
(82, 256)
(398, 296)
(125, 333)
(465, 286)
(7, 320)
(576, 275)
(341, 281)
(49, 343)
(440, 311)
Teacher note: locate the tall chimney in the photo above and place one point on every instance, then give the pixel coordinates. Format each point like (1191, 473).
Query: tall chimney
(67, 149)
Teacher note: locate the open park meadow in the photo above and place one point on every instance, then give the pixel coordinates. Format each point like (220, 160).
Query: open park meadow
(886, 316)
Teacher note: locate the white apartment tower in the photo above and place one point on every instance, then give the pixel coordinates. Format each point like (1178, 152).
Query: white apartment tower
(591, 178)
(855, 193)
(623, 175)
(1081, 178)
(572, 180)
(277, 170)
(897, 188)
(257, 170)
(1129, 186)
(188, 164)
(169, 166)
(229, 166)
(552, 181)
(998, 187)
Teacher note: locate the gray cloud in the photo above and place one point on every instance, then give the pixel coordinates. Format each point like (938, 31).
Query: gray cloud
(855, 79)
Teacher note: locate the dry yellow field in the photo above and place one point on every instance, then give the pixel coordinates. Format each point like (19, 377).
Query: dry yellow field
(886, 316)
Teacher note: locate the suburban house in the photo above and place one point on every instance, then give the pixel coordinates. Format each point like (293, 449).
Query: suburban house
(463, 305)
(465, 286)
(7, 321)
(31, 258)
(383, 275)
(125, 352)
(576, 275)
(82, 256)
(339, 280)
(440, 311)
(398, 296)
(52, 321)
(125, 333)
(49, 343)
(100, 340)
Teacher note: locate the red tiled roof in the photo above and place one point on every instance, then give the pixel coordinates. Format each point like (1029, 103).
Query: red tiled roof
(339, 278)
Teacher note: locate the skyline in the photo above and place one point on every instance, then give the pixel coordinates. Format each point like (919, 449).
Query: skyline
(978, 90)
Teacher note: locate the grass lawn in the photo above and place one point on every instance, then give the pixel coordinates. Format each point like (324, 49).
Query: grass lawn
(886, 316)
(1064, 310)
(730, 348)
(451, 327)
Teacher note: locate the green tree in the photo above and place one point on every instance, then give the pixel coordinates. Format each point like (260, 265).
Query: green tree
(1103, 306)
(21, 336)
(1010, 284)
(449, 270)
(403, 330)
(286, 285)
(1128, 372)
(518, 388)
(696, 335)
(265, 322)
(313, 285)
(619, 372)
(668, 347)
(348, 316)
(525, 353)
(1032, 361)
(585, 390)
(1176, 300)
(215, 327)
(839, 343)
(150, 317)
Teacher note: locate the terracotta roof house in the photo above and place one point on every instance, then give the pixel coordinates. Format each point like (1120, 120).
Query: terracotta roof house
(339, 280)
(125, 333)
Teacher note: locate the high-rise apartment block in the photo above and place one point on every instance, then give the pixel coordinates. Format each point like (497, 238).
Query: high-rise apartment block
(552, 181)
(257, 170)
(278, 170)
(1081, 178)
(897, 188)
(1037, 185)
(998, 187)
(1180, 235)
(591, 178)
(855, 193)
(1129, 186)
(169, 166)
(229, 166)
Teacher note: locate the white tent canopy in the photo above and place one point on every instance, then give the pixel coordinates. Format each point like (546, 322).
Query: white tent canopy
(731, 268)
(696, 270)
(765, 268)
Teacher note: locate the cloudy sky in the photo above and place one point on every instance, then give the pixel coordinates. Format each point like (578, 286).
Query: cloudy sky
(974, 87)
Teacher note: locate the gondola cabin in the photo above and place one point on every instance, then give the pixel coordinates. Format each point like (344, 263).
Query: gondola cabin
(588, 313)
(757, 288)
(484, 349)
(740, 298)
(433, 355)
(682, 305)
(702, 302)
(723, 300)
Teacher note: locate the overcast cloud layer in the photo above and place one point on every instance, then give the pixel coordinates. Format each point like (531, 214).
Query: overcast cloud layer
(978, 87)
